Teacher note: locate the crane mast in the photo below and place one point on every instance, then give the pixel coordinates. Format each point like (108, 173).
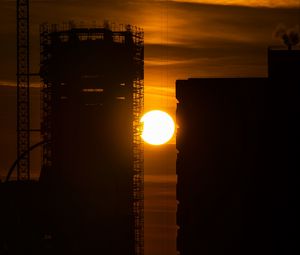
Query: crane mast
(23, 106)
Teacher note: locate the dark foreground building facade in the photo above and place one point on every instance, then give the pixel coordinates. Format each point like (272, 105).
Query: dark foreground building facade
(89, 199)
(238, 150)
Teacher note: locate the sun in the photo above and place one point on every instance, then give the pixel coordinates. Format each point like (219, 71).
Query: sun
(158, 127)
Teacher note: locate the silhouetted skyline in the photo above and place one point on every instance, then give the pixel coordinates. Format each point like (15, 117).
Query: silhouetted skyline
(238, 151)
(198, 38)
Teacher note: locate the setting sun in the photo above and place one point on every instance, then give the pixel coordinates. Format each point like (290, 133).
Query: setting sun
(158, 127)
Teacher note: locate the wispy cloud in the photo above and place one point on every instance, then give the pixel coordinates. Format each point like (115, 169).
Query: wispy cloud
(159, 179)
(250, 3)
(164, 62)
(11, 83)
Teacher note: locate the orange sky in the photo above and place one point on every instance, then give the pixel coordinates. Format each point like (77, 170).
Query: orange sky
(191, 38)
(265, 3)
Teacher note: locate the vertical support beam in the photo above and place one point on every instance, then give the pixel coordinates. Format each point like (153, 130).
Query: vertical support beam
(46, 99)
(138, 152)
(23, 111)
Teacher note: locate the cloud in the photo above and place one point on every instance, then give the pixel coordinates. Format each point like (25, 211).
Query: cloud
(264, 3)
(210, 31)
(249, 3)
(160, 193)
(159, 179)
(182, 39)
(158, 63)
(7, 83)
(158, 90)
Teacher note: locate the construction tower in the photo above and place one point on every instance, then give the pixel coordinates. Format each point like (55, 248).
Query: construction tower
(92, 101)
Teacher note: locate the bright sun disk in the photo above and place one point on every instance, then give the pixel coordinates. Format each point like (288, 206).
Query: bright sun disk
(158, 127)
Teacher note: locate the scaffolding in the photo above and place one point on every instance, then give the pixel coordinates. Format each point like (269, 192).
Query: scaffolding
(138, 155)
(46, 92)
(117, 34)
(23, 100)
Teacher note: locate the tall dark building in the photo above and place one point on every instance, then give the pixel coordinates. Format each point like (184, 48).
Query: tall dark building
(283, 64)
(237, 152)
(89, 198)
(91, 181)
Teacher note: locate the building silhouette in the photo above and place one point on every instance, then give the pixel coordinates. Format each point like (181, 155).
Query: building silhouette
(237, 153)
(89, 198)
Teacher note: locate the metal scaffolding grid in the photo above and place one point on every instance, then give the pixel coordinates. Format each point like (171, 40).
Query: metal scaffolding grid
(118, 35)
(138, 152)
(23, 111)
(46, 100)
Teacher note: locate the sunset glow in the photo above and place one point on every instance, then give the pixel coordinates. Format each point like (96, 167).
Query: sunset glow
(121, 118)
(265, 3)
(158, 127)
